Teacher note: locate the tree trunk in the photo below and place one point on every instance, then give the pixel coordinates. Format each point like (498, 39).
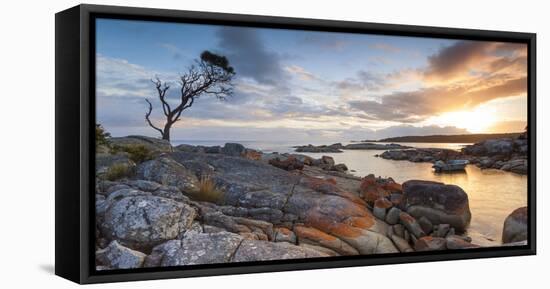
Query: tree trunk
(166, 132)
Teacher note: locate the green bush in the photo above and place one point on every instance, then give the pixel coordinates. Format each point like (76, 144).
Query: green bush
(101, 136)
(137, 153)
(118, 171)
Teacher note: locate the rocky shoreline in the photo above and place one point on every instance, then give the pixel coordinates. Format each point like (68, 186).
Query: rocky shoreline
(158, 205)
(507, 154)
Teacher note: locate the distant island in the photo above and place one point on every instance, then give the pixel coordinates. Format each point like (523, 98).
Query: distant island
(459, 138)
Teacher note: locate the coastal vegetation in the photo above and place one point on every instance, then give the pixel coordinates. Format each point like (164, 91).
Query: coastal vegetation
(208, 191)
(118, 171)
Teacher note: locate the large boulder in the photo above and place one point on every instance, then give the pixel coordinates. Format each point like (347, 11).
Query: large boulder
(288, 163)
(515, 226)
(167, 171)
(439, 203)
(256, 185)
(233, 149)
(245, 183)
(116, 256)
(350, 222)
(151, 143)
(141, 220)
(195, 248)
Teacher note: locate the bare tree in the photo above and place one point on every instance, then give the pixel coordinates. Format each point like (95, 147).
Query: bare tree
(211, 75)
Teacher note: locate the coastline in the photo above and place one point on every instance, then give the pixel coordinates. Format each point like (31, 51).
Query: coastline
(278, 202)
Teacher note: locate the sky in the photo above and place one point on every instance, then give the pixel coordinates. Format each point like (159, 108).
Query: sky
(309, 86)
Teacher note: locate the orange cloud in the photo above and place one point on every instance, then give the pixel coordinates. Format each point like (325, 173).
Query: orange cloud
(508, 126)
(458, 77)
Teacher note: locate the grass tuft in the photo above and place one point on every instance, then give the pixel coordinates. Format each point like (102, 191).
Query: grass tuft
(208, 191)
(118, 171)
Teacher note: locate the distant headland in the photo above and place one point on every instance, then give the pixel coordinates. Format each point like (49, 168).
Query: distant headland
(459, 138)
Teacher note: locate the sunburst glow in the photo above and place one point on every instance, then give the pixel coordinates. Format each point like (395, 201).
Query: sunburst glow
(477, 120)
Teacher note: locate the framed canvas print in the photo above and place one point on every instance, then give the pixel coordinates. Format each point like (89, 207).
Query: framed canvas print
(193, 144)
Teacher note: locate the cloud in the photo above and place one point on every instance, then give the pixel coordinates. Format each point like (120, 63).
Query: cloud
(177, 53)
(325, 41)
(508, 126)
(123, 86)
(467, 59)
(121, 89)
(248, 54)
(385, 47)
(408, 130)
(301, 72)
(118, 77)
(365, 83)
(460, 76)
(455, 60)
(415, 106)
(364, 80)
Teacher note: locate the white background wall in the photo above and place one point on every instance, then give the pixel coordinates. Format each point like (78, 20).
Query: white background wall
(27, 145)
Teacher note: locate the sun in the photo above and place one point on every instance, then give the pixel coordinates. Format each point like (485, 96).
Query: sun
(477, 120)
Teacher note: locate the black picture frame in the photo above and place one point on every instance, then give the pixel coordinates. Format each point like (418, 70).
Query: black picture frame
(75, 121)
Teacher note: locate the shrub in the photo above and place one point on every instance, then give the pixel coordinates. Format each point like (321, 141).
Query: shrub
(101, 136)
(118, 171)
(136, 152)
(208, 191)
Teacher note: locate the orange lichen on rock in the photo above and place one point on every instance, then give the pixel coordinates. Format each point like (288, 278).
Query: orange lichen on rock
(312, 234)
(316, 237)
(373, 188)
(252, 155)
(383, 203)
(352, 197)
(406, 217)
(319, 184)
(365, 222)
(328, 225)
(282, 230)
(393, 187)
(328, 186)
(371, 193)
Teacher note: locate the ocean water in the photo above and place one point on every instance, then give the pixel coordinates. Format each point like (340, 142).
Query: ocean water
(492, 194)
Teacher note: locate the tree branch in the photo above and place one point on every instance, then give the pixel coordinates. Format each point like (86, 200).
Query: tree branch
(148, 114)
(210, 75)
(161, 91)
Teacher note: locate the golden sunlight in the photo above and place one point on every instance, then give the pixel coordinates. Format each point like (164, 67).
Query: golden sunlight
(476, 120)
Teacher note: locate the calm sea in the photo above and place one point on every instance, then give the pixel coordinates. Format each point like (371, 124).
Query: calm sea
(493, 194)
